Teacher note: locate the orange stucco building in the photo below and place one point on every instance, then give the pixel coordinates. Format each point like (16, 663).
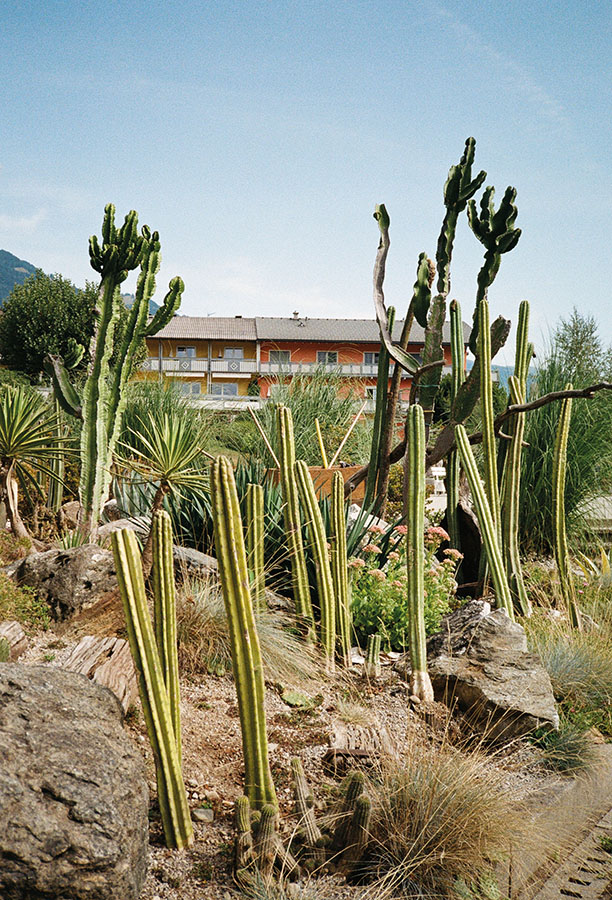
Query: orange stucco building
(231, 362)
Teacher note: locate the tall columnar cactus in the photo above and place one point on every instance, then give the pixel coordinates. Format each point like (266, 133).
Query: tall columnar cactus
(562, 557)
(101, 407)
(320, 554)
(57, 466)
(165, 615)
(339, 568)
(496, 232)
(255, 543)
(156, 703)
(511, 483)
(378, 427)
(414, 510)
(246, 654)
(452, 460)
(488, 418)
(291, 514)
(485, 519)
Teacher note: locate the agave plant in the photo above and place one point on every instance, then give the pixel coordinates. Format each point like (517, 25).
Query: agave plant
(167, 451)
(29, 442)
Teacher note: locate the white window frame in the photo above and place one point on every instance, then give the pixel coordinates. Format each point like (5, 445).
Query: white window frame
(185, 352)
(370, 392)
(233, 353)
(373, 360)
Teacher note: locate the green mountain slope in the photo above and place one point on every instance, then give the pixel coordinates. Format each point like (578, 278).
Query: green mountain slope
(12, 271)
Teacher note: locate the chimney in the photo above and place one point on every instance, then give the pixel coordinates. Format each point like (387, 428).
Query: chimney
(296, 314)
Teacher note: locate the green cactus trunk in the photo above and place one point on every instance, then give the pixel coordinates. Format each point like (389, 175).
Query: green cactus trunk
(255, 543)
(372, 662)
(291, 513)
(414, 510)
(101, 409)
(156, 704)
(320, 554)
(485, 519)
(378, 427)
(452, 460)
(561, 547)
(246, 654)
(164, 606)
(489, 446)
(339, 567)
(511, 481)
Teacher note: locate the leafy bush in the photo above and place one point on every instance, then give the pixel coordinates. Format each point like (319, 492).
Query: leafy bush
(22, 605)
(379, 594)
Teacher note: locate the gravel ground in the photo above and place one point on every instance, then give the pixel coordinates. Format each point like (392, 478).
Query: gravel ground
(380, 713)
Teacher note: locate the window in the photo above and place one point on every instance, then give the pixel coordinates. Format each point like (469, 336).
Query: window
(327, 357)
(280, 357)
(224, 389)
(370, 359)
(233, 353)
(183, 352)
(189, 387)
(370, 393)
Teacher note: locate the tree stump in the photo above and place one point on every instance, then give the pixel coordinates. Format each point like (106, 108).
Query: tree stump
(107, 661)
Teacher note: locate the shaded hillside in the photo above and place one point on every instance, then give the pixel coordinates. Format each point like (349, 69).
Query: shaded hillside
(12, 271)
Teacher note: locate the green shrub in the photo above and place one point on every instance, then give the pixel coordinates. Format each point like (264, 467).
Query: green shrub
(22, 605)
(379, 594)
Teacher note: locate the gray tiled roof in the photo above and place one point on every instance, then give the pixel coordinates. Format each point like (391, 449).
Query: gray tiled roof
(270, 328)
(209, 328)
(350, 331)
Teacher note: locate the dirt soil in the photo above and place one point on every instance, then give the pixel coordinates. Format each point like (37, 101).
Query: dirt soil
(352, 711)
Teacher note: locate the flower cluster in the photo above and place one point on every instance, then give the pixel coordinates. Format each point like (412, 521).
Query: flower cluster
(379, 591)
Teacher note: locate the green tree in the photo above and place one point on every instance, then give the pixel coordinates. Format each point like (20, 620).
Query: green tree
(43, 315)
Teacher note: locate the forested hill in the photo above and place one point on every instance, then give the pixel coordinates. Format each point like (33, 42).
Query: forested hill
(12, 271)
(15, 271)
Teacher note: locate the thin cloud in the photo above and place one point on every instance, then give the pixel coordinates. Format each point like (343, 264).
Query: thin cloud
(520, 78)
(23, 224)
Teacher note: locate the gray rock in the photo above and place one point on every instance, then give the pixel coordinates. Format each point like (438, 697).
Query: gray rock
(190, 562)
(482, 664)
(68, 580)
(73, 794)
(203, 814)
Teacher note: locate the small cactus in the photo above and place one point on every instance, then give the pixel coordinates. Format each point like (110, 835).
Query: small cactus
(372, 662)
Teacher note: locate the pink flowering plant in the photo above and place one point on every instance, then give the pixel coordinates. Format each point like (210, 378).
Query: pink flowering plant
(379, 585)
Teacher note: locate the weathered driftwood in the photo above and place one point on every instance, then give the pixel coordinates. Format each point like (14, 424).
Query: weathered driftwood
(107, 661)
(16, 638)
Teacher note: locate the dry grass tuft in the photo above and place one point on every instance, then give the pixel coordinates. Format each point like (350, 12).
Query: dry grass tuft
(204, 642)
(439, 816)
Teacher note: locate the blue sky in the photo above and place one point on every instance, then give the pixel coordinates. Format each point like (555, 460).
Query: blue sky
(257, 137)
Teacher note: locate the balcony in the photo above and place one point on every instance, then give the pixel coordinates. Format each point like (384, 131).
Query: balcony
(200, 366)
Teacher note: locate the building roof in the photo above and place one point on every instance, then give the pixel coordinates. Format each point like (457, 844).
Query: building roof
(272, 328)
(209, 328)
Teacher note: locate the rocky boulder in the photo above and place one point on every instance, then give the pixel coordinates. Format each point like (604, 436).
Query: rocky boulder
(480, 662)
(68, 580)
(73, 794)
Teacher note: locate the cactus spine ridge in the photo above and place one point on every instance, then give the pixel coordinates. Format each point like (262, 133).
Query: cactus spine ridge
(176, 820)
(452, 460)
(562, 557)
(372, 663)
(339, 568)
(318, 544)
(485, 519)
(246, 654)
(255, 543)
(291, 513)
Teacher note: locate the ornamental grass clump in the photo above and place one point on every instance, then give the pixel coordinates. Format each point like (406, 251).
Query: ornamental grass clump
(438, 816)
(379, 593)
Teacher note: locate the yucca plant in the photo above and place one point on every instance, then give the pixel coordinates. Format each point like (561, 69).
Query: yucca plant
(29, 443)
(166, 450)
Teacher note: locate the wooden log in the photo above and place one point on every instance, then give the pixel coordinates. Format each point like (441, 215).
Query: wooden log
(107, 661)
(15, 636)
